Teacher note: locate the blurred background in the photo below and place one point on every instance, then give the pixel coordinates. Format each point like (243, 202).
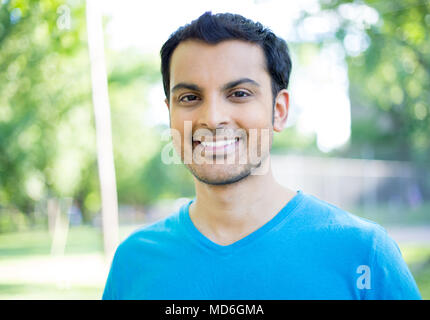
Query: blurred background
(357, 136)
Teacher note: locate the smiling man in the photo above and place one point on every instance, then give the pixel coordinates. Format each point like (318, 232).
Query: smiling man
(244, 236)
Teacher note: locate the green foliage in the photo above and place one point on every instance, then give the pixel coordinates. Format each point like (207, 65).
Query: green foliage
(291, 141)
(44, 96)
(390, 79)
(13, 221)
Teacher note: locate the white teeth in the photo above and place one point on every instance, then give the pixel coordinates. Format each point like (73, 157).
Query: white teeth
(216, 144)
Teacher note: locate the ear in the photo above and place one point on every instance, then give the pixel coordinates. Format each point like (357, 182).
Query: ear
(282, 105)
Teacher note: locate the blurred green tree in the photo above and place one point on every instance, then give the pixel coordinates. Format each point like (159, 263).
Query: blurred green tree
(387, 46)
(44, 99)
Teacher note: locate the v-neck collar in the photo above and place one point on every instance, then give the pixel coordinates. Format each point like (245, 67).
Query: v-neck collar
(192, 230)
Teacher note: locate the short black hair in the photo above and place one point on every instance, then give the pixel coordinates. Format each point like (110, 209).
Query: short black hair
(214, 28)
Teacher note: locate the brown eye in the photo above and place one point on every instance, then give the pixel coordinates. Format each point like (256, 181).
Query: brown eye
(240, 94)
(188, 98)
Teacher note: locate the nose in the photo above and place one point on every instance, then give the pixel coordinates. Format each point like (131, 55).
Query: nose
(214, 114)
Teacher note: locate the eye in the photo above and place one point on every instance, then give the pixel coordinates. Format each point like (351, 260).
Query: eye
(188, 98)
(240, 94)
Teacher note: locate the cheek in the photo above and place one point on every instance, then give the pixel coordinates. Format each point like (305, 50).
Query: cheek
(255, 120)
(177, 121)
(257, 115)
(259, 129)
(183, 128)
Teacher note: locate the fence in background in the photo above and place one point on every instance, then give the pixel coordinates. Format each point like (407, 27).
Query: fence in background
(349, 183)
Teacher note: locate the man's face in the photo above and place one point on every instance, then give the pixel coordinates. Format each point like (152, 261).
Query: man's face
(222, 93)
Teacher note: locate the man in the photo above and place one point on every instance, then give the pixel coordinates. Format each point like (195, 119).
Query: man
(244, 236)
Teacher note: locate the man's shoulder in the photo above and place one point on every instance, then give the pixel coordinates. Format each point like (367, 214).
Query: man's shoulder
(161, 231)
(329, 216)
(163, 225)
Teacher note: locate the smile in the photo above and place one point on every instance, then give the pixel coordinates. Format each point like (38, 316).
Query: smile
(218, 145)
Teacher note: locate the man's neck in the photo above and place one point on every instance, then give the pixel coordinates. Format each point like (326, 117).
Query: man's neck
(227, 213)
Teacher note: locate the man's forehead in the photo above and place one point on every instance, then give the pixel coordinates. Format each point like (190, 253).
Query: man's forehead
(195, 60)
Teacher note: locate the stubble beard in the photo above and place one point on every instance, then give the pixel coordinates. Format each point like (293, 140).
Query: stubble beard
(223, 180)
(229, 173)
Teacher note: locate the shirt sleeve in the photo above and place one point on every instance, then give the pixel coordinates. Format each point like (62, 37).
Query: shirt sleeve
(391, 277)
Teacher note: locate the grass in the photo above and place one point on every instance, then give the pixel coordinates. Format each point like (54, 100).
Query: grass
(422, 277)
(47, 292)
(28, 271)
(418, 260)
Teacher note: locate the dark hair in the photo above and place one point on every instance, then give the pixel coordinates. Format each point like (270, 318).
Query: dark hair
(215, 28)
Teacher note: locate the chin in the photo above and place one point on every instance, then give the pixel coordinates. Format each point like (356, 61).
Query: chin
(220, 178)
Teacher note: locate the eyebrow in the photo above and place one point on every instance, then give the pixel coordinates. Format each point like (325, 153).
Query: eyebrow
(235, 83)
(184, 85)
(229, 85)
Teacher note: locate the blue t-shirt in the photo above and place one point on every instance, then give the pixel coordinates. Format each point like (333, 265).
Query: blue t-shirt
(309, 250)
